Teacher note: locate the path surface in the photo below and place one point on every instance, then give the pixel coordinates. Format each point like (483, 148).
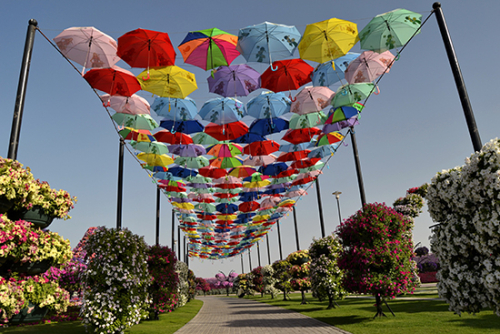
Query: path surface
(220, 315)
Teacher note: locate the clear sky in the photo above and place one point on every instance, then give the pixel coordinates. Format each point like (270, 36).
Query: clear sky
(414, 128)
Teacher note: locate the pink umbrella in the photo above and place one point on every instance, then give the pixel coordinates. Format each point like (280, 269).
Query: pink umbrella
(368, 66)
(296, 193)
(269, 202)
(312, 99)
(133, 105)
(259, 160)
(88, 47)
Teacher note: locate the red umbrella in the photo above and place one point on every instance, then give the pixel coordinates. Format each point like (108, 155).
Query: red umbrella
(304, 163)
(113, 80)
(261, 147)
(206, 216)
(290, 75)
(292, 156)
(248, 206)
(297, 136)
(226, 131)
(225, 195)
(285, 173)
(228, 182)
(303, 180)
(166, 136)
(144, 48)
(212, 172)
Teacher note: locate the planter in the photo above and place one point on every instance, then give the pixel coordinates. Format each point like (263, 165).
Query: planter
(32, 313)
(35, 215)
(429, 277)
(29, 268)
(5, 204)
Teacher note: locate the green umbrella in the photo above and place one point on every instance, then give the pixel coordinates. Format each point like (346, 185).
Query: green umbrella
(154, 147)
(225, 162)
(192, 162)
(310, 120)
(229, 191)
(226, 200)
(390, 30)
(316, 166)
(141, 121)
(206, 207)
(203, 190)
(350, 94)
(199, 179)
(204, 139)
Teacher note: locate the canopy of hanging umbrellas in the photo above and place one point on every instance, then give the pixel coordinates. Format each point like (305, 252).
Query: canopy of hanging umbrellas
(228, 182)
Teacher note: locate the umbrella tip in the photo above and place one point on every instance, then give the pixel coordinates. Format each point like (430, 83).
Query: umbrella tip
(436, 5)
(33, 22)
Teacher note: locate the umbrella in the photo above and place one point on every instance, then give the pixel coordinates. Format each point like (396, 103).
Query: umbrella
(192, 162)
(390, 30)
(166, 136)
(187, 127)
(144, 48)
(113, 80)
(368, 66)
(296, 193)
(297, 136)
(290, 75)
(209, 48)
(323, 151)
(234, 80)
(344, 113)
(225, 150)
(294, 147)
(256, 184)
(269, 202)
(182, 172)
(141, 121)
(327, 40)
(175, 109)
(259, 160)
(261, 42)
(311, 99)
(329, 138)
(187, 150)
(261, 147)
(226, 131)
(204, 139)
(213, 172)
(150, 147)
(88, 47)
(137, 135)
(229, 162)
(169, 81)
(203, 198)
(292, 156)
(133, 105)
(248, 138)
(304, 163)
(316, 166)
(242, 171)
(227, 209)
(273, 169)
(206, 207)
(267, 126)
(352, 93)
(248, 206)
(307, 120)
(268, 105)
(327, 74)
(222, 110)
(155, 159)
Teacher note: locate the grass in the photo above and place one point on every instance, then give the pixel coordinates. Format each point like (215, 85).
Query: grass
(355, 315)
(168, 323)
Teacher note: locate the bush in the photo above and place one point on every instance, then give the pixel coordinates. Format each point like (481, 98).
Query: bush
(163, 289)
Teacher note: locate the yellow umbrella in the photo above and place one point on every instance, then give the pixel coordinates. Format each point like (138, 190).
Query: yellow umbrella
(327, 40)
(257, 184)
(186, 205)
(169, 81)
(260, 218)
(287, 202)
(151, 159)
(227, 217)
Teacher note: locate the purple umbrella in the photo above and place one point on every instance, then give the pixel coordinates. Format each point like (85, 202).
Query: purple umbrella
(189, 150)
(234, 80)
(340, 125)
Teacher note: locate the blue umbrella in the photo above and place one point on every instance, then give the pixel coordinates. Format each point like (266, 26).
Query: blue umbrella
(222, 110)
(294, 147)
(267, 126)
(227, 208)
(323, 151)
(175, 109)
(268, 105)
(248, 138)
(249, 196)
(262, 42)
(187, 127)
(325, 75)
(275, 191)
(273, 169)
(166, 176)
(181, 171)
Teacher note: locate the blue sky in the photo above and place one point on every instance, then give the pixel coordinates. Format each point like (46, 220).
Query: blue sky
(414, 128)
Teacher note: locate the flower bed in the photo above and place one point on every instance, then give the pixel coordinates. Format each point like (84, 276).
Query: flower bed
(428, 277)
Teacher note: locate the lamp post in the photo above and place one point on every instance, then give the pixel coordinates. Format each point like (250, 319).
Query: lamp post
(337, 196)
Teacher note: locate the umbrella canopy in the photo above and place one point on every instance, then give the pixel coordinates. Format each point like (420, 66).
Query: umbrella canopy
(226, 131)
(88, 47)
(304, 163)
(297, 136)
(234, 80)
(209, 48)
(323, 151)
(169, 81)
(307, 120)
(242, 171)
(192, 162)
(292, 156)
(204, 139)
(327, 40)
(152, 147)
(229, 162)
(187, 127)
(137, 135)
(222, 110)
(227, 209)
(390, 30)
(225, 150)
(311, 99)
(268, 105)
(248, 206)
(187, 150)
(290, 75)
(294, 147)
(155, 159)
(259, 160)
(182, 172)
(264, 41)
(329, 138)
(344, 113)
(261, 147)
(352, 93)
(213, 172)
(166, 136)
(368, 66)
(142, 121)
(133, 105)
(175, 109)
(327, 74)
(113, 80)
(273, 169)
(248, 138)
(267, 126)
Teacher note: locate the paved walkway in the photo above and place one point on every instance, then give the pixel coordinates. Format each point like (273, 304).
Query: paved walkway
(220, 315)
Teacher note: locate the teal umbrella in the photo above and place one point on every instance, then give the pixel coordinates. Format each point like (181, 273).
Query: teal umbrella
(308, 120)
(350, 94)
(192, 162)
(390, 30)
(141, 121)
(150, 147)
(206, 207)
(204, 139)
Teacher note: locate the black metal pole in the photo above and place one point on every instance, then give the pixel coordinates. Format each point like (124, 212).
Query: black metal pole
(358, 168)
(157, 216)
(296, 228)
(173, 232)
(338, 207)
(184, 249)
(459, 80)
(250, 260)
(279, 241)
(258, 254)
(120, 186)
(178, 241)
(320, 206)
(242, 268)
(268, 249)
(21, 90)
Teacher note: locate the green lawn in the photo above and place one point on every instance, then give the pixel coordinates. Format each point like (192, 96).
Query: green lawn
(168, 323)
(412, 316)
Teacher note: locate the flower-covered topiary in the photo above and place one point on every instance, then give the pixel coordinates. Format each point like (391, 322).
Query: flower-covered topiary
(258, 280)
(182, 271)
(16, 183)
(299, 272)
(269, 281)
(56, 203)
(299, 257)
(116, 281)
(161, 266)
(244, 284)
(376, 254)
(283, 277)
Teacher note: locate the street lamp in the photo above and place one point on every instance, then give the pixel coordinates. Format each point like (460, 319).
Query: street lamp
(337, 195)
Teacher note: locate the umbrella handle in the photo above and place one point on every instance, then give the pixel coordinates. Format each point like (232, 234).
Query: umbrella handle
(378, 91)
(292, 99)
(274, 69)
(146, 78)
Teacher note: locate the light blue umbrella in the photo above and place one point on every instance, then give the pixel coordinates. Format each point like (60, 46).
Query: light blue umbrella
(265, 42)
(175, 109)
(356, 92)
(325, 75)
(323, 151)
(268, 105)
(294, 147)
(222, 110)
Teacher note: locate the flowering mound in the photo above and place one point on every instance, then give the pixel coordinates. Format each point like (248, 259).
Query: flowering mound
(161, 266)
(465, 201)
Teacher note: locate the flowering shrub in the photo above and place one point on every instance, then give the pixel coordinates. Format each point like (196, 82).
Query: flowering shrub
(269, 280)
(464, 203)
(225, 282)
(116, 281)
(55, 203)
(376, 253)
(326, 276)
(282, 276)
(244, 283)
(202, 285)
(16, 183)
(258, 280)
(192, 285)
(11, 299)
(163, 289)
(410, 205)
(298, 257)
(182, 271)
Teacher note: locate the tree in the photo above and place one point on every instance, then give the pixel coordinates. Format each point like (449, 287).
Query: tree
(282, 275)
(377, 248)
